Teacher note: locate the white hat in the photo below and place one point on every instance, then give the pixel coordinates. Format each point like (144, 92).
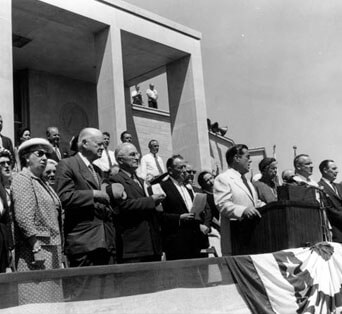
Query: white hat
(36, 141)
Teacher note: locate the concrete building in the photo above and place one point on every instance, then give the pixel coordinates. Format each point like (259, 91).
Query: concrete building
(72, 64)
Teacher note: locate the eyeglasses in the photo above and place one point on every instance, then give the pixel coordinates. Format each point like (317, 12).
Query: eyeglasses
(191, 171)
(131, 155)
(4, 163)
(40, 153)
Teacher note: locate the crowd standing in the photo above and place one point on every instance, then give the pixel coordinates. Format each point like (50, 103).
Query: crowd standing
(94, 206)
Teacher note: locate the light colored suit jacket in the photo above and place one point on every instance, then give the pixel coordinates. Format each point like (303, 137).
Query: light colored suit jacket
(232, 197)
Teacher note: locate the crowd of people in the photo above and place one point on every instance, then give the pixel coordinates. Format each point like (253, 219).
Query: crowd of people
(94, 206)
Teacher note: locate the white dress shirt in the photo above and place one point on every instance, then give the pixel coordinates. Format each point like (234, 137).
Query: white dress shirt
(103, 162)
(148, 168)
(184, 193)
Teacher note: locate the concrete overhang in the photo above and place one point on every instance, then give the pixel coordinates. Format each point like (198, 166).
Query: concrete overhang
(63, 43)
(144, 59)
(147, 15)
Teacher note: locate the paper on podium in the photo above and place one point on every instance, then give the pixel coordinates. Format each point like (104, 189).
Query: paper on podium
(199, 204)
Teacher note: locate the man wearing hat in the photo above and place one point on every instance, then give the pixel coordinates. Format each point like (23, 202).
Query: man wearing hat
(266, 186)
(89, 229)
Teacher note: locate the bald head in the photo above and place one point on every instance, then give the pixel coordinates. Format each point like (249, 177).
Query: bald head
(53, 136)
(90, 143)
(287, 175)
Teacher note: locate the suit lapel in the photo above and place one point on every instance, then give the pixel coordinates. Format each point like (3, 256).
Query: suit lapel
(238, 181)
(328, 189)
(339, 190)
(85, 173)
(176, 195)
(3, 196)
(129, 181)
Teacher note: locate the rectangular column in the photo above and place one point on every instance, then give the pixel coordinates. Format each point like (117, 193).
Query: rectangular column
(110, 84)
(188, 111)
(6, 69)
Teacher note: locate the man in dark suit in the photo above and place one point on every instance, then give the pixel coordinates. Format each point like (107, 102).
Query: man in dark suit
(333, 194)
(6, 142)
(89, 229)
(181, 232)
(53, 136)
(137, 226)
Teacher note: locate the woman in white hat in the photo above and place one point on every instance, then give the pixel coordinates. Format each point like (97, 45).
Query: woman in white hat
(37, 214)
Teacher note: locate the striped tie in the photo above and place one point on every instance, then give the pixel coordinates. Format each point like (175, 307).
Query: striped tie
(93, 172)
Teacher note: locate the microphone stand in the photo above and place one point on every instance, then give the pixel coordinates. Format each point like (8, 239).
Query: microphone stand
(323, 216)
(322, 210)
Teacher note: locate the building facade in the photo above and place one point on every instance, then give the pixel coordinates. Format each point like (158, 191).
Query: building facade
(72, 63)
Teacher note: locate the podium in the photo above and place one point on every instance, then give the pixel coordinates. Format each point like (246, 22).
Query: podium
(293, 221)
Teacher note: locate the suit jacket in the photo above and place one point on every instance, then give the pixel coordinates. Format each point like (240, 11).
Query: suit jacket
(7, 143)
(232, 197)
(6, 239)
(88, 224)
(137, 225)
(53, 154)
(180, 239)
(334, 209)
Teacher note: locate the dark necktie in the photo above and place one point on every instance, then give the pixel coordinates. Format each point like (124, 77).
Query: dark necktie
(244, 180)
(135, 179)
(333, 184)
(158, 164)
(93, 172)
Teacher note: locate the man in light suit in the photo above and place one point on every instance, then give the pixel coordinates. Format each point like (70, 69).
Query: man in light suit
(234, 195)
(89, 230)
(333, 193)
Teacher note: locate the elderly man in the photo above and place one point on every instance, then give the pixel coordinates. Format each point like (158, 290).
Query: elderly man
(138, 229)
(49, 173)
(152, 96)
(234, 195)
(266, 186)
(53, 136)
(333, 191)
(89, 230)
(152, 165)
(183, 235)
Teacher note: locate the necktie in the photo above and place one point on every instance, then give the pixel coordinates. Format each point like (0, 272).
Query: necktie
(109, 160)
(135, 179)
(58, 153)
(93, 172)
(244, 180)
(158, 164)
(333, 184)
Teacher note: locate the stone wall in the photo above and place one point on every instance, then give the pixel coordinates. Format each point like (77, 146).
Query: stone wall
(66, 103)
(151, 124)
